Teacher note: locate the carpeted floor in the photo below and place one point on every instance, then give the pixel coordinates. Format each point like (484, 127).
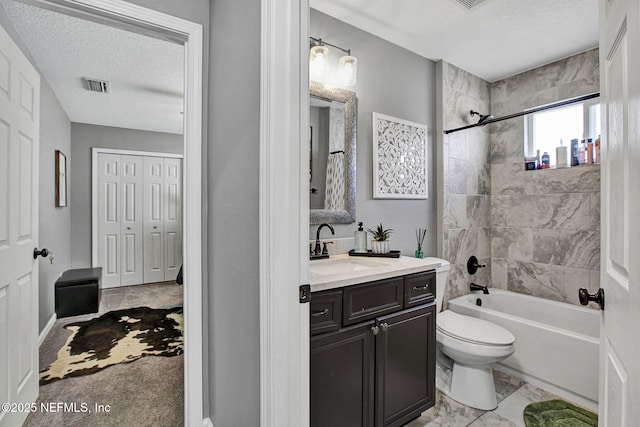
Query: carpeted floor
(147, 392)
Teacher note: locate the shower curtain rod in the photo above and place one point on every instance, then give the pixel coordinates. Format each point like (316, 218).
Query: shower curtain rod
(524, 113)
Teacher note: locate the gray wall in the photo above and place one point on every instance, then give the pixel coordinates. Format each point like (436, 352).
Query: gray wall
(55, 223)
(84, 137)
(399, 83)
(233, 182)
(466, 201)
(546, 223)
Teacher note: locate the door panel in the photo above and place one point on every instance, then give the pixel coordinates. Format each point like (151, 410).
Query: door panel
(4, 184)
(172, 217)
(131, 227)
(5, 388)
(620, 275)
(153, 226)
(405, 363)
(19, 158)
(109, 218)
(341, 382)
(25, 350)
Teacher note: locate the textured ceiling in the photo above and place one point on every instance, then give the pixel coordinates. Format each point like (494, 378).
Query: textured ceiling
(145, 74)
(496, 39)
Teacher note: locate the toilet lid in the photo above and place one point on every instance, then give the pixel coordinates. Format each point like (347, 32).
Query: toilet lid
(473, 329)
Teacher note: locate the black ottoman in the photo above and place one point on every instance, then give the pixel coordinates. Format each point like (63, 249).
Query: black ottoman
(78, 292)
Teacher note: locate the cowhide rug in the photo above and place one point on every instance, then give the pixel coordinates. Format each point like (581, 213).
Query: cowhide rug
(119, 336)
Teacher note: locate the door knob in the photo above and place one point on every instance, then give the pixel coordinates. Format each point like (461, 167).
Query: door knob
(43, 253)
(585, 297)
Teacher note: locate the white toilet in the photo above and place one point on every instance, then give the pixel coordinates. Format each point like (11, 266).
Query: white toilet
(467, 346)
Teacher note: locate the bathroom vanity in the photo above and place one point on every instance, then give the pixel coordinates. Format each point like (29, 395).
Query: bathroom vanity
(373, 341)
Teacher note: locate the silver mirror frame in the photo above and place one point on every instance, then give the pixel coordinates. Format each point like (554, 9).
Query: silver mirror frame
(348, 98)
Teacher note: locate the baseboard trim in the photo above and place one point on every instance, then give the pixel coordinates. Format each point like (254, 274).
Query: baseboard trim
(47, 329)
(207, 422)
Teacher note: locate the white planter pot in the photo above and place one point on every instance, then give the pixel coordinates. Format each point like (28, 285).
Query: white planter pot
(380, 247)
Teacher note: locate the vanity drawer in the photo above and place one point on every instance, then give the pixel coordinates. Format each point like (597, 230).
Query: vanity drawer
(369, 300)
(325, 311)
(419, 288)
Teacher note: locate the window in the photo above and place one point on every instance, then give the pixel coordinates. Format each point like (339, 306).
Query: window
(545, 129)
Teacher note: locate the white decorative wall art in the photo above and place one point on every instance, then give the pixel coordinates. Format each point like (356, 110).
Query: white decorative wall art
(399, 158)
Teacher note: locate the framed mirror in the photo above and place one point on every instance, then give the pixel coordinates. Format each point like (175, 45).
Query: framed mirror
(332, 167)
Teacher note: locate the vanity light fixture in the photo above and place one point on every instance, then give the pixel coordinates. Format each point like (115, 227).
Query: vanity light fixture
(319, 63)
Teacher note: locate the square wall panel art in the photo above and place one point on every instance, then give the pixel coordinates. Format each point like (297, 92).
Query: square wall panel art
(399, 158)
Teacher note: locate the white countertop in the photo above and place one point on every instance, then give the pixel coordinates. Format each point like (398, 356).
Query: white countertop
(333, 272)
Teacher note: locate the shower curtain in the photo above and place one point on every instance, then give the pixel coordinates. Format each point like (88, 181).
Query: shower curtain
(334, 190)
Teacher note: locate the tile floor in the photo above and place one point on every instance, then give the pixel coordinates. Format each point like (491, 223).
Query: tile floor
(513, 396)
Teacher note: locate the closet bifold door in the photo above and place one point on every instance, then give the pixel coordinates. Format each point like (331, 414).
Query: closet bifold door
(109, 171)
(131, 220)
(172, 207)
(153, 214)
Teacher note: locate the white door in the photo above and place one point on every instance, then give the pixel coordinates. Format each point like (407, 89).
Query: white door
(19, 144)
(109, 223)
(153, 227)
(620, 269)
(172, 217)
(131, 224)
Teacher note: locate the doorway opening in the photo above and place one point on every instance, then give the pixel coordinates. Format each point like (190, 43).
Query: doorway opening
(188, 36)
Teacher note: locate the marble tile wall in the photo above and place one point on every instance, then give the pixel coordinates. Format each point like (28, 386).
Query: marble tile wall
(545, 225)
(466, 158)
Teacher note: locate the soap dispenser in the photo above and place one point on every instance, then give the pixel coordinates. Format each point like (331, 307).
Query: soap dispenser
(360, 240)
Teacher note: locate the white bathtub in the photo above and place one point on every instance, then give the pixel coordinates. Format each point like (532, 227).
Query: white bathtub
(557, 344)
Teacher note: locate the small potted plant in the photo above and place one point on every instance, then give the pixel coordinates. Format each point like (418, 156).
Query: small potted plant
(380, 242)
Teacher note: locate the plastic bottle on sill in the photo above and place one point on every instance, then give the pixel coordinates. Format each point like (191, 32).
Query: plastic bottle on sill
(597, 156)
(582, 154)
(590, 151)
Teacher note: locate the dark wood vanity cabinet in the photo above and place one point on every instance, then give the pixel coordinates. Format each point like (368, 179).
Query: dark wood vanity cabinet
(380, 371)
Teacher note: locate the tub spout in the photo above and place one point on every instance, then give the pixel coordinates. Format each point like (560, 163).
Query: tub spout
(474, 287)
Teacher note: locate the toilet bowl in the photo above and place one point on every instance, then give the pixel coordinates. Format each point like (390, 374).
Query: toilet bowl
(467, 346)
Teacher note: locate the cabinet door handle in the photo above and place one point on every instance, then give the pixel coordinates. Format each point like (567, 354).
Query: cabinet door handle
(375, 330)
(420, 288)
(384, 327)
(320, 313)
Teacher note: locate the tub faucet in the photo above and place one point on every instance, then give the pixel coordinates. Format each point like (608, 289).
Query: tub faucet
(474, 287)
(317, 250)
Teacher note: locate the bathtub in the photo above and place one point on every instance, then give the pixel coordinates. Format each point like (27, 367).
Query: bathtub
(557, 344)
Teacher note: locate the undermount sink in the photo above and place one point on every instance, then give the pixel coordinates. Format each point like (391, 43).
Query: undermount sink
(329, 267)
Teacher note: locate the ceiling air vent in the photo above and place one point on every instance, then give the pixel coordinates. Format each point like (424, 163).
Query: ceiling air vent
(468, 4)
(94, 85)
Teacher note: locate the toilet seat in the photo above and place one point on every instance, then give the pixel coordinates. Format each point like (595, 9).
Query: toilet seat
(472, 329)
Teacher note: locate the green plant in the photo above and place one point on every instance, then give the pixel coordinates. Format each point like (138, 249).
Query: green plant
(380, 234)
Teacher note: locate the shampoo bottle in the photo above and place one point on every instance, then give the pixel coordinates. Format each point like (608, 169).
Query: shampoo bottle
(360, 240)
(590, 151)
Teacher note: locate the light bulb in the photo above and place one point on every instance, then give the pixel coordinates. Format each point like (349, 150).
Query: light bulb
(318, 63)
(348, 70)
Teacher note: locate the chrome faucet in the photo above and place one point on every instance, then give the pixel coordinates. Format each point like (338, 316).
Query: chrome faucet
(317, 250)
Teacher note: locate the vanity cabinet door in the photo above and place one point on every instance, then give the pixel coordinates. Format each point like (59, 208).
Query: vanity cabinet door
(342, 370)
(405, 367)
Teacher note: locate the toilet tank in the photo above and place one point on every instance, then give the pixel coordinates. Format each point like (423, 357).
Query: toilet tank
(442, 273)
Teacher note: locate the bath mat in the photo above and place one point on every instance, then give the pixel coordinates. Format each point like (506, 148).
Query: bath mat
(120, 336)
(558, 413)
